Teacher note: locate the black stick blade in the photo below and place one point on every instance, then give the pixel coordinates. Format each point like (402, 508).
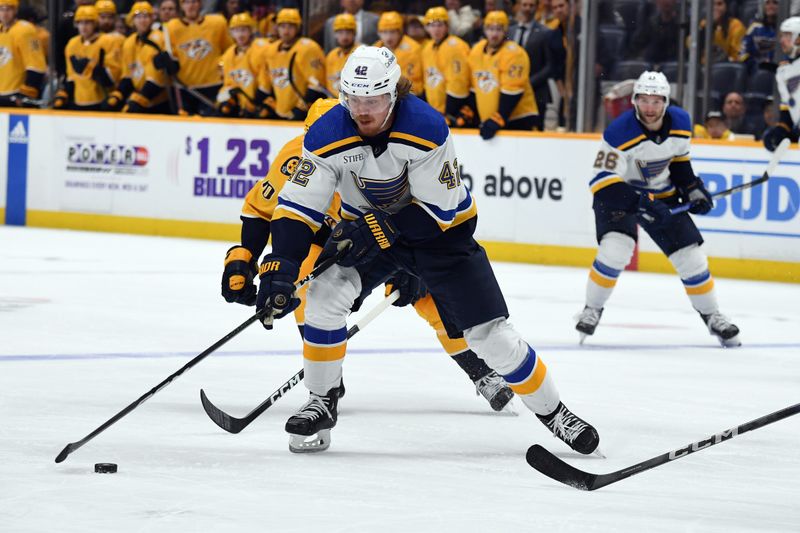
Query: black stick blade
(218, 416)
(554, 468)
(64, 453)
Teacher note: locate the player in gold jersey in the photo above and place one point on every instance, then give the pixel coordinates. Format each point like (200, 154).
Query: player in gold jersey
(407, 50)
(240, 265)
(500, 72)
(142, 87)
(22, 62)
(93, 65)
(107, 21)
(194, 45)
(240, 68)
(447, 80)
(294, 69)
(344, 31)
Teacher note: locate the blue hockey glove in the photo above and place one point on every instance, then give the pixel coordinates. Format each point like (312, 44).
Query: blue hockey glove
(410, 287)
(490, 126)
(774, 135)
(366, 237)
(237, 278)
(276, 289)
(698, 196)
(653, 212)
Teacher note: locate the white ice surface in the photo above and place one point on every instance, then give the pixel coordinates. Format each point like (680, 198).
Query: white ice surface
(90, 322)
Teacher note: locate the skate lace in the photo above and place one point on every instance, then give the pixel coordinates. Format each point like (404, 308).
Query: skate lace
(314, 408)
(489, 385)
(589, 316)
(566, 425)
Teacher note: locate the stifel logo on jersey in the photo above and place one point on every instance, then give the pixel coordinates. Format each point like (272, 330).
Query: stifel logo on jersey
(196, 49)
(486, 81)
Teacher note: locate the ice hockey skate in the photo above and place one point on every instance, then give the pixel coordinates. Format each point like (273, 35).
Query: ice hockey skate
(496, 391)
(574, 431)
(310, 427)
(721, 326)
(587, 321)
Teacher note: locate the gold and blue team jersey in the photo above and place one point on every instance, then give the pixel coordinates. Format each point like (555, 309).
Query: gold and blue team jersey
(418, 165)
(289, 72)
(409, 57)
(240, 68)
(627, 155)
(20, 51)
(334, 63)
(446, 71)
(82, 57)
(506, 70)
(198, 46)
(262, 199)
(137, 63)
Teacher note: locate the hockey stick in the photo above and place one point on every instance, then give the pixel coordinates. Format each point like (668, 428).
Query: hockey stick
(231, 424)
(773, 163)
(72, 446)
(553, 467)
(176, 90)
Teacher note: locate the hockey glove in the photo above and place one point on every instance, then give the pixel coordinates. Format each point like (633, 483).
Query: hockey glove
(410, 287)
(654, 213)
(237, 278)
(697, 195)
(276, 289)
(366, 237)
(114, 102)
(135, 107)
(61, 99)
(163, 61)
(774, 135)
(491, 126)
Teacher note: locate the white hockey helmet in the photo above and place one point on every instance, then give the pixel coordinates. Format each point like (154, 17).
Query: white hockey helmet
(651, 83)
(370, 71)
(792, 25)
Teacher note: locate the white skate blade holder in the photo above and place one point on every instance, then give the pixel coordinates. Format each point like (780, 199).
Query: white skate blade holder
(310, 443)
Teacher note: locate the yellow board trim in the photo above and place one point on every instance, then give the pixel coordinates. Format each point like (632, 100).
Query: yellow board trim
(600, 280)
(217, 231)
(413, 138)
(533, 383)
(334, 145)
(630, 143)
(544, 254)
(324, 353)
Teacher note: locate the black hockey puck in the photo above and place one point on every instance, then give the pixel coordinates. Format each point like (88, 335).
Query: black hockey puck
(105, 468)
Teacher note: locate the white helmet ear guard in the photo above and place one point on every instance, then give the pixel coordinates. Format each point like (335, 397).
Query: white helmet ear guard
(792, 25)
(653, 84)
(370, 71)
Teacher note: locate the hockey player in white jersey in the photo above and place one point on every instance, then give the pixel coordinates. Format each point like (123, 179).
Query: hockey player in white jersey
(641, 171)
(391, 158)
(788, 79)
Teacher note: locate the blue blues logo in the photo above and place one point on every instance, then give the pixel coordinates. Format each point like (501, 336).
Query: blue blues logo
(383, 194)
(652, 169)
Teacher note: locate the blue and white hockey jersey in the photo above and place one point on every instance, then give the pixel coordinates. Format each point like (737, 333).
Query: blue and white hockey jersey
(628, 155)
(788, 79)
(418, 166)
